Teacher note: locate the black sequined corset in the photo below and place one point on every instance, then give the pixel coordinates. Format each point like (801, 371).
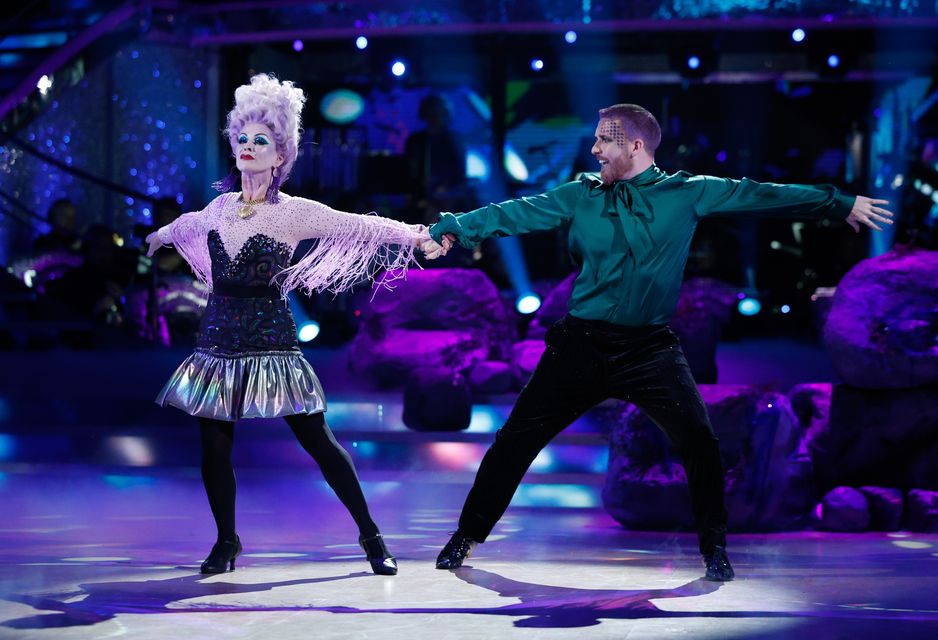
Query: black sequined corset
(245, 311)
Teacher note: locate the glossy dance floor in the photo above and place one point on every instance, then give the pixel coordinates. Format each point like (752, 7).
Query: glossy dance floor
(85, 553)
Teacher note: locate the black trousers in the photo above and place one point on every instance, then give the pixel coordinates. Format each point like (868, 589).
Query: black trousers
(586, 362)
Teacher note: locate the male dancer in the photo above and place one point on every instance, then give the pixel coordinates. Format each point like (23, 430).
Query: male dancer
(630, 232)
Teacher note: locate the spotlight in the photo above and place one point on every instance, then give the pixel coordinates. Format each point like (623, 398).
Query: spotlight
(297, 45)
(693, 62)
(785, 308)
(749, 306)
(570, 37)
(833, 61)
(798, 35)
(44, 84)
(528, 303)
(537, 64)
(398, 68)
(308, 331)
(721, 156)
(361, 42)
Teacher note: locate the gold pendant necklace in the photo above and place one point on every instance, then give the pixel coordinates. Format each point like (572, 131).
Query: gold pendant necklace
(246, 210)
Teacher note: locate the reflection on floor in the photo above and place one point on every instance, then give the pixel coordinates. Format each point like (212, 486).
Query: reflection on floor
(98, 552)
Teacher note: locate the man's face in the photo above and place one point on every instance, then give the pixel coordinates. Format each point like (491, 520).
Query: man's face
(256, 151)
(612, 150)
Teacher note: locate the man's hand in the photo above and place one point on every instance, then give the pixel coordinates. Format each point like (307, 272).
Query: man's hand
(432, 249)
(448, 241)
(867, 211)
(153, 242)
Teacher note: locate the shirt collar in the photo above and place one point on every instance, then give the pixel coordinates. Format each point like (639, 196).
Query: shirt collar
(649, 176)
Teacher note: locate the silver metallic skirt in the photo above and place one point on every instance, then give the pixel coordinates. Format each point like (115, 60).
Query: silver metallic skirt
(250, 384)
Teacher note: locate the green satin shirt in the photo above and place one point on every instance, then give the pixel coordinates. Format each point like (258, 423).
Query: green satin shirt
(631, 238)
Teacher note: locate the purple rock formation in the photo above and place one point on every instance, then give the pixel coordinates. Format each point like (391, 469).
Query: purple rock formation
(769, 484)
(491, 377)
(524, 358)
(845, 509)
(885, 508)
(436, 399)
(922, 510)
(705, 305)
(552, 309)
(859, 437)
(449, 318)
(882, 328)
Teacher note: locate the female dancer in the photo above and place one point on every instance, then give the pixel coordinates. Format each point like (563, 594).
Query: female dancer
(247, 363)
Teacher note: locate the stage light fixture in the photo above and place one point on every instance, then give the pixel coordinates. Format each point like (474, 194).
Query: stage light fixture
(749, 306)
(833, 61)
(537, 64)
(398, 68)
(297, 45)
(785, 308)
(798, 35)
(570, 37)
(361, 42)
(342, 106)
(528, 303)
(308, 331)
(693, 62)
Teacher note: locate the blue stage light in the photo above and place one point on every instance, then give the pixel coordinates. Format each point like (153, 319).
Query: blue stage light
(693, 62)
(785, 308)
(514, 165)
(297, 45)
(570, 37)
(537, 64)
(749, 306)
(361, 42)
(308, 331)
(833, 61)
(398, 68)
(528, 303)
(476, 165)
(798, 35)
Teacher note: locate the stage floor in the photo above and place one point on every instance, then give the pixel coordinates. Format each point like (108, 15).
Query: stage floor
(94, 552)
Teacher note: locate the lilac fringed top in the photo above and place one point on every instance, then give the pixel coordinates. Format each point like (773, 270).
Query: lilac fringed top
(351, 247)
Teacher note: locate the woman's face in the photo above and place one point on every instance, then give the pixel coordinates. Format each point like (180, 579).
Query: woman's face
(256, 151)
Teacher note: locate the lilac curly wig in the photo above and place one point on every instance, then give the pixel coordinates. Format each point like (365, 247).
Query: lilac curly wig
(273, 103)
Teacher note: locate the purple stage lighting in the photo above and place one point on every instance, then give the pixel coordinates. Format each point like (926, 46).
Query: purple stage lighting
(297, 45)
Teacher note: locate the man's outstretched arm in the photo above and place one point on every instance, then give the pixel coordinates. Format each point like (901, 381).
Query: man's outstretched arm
(523, 215)
(724, 195)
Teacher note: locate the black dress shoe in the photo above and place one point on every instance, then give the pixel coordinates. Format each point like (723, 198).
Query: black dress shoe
(382, 562)
(456, 551)
(222, 556)
(718, 566)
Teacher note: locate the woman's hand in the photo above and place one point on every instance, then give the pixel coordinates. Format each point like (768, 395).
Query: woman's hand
(153, 243)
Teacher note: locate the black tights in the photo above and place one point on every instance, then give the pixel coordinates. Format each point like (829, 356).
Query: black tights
(315, 437)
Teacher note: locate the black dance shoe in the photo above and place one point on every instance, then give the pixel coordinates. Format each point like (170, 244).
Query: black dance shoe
(382, 562)
(222, 557)
(718, 566)
(456, 551)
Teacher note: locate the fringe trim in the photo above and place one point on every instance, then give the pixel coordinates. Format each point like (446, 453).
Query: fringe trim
(191, 241)
(356, 251)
